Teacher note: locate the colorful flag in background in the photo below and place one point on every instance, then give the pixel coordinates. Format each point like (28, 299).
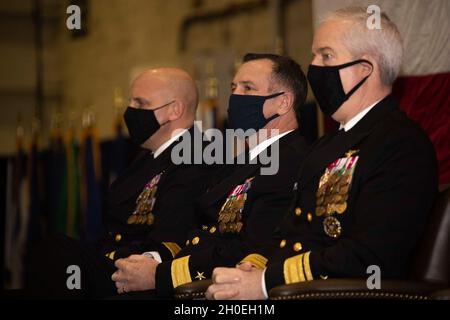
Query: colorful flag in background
(17, 215)
(57, 194)
(72, 173)
(90, 178)
(35, 221)
(118, 151)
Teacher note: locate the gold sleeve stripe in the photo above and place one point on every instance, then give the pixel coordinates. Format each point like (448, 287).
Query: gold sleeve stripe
(307, 267)
(180, 271)
(257, 260)
(293, 269)
(297, 269)
(172, 247)
(111, 255)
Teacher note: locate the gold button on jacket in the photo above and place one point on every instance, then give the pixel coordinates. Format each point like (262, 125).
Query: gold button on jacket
(297, 246)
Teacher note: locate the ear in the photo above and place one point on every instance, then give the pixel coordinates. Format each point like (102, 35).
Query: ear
(287, 102)
(176, 110)
(366, 67)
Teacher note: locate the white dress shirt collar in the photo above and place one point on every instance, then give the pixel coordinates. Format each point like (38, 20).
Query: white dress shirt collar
(255, 151)
(166, 144)
(353, 121)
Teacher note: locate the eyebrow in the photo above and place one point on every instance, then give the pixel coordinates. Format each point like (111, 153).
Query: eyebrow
(243, 83)
(141, 101)
(323, 49)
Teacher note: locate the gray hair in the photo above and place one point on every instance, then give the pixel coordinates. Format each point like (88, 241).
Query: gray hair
(384, 45)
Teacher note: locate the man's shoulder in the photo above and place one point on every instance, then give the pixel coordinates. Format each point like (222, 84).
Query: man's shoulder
(398, 142)
(398, 129)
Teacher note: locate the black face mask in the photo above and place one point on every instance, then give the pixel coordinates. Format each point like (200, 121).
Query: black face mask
(246, 111)
(142, 123)
(327, 86)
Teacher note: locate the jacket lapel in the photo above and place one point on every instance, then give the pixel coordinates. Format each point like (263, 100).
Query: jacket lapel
(136, 178)
(223, 188)
(144, 168)
(141, 157)
(195, 148)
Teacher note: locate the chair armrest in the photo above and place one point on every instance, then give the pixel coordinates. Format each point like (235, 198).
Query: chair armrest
(193, 290)
(441, 295)
(354, 289)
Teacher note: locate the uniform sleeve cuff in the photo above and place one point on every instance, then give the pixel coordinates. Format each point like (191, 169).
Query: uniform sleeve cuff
(163, 280)
(153, 254)
(263, 284)
(273, 275)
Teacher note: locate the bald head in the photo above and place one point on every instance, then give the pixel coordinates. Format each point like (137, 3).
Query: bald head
(172, 96)
(171, 83)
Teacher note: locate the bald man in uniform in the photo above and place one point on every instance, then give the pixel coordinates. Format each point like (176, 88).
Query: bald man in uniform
(149, 208)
